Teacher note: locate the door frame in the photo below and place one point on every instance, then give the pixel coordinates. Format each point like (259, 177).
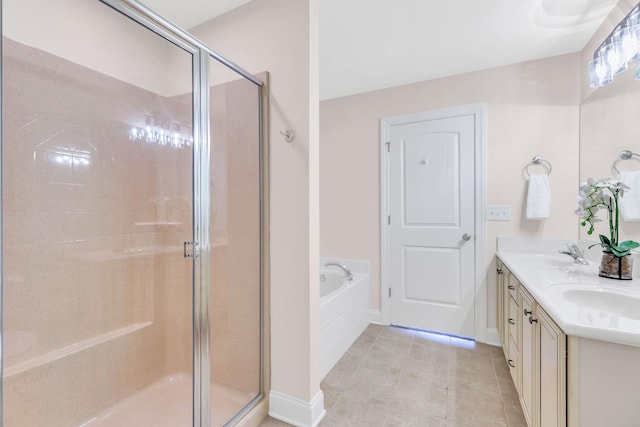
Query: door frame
(478, 111)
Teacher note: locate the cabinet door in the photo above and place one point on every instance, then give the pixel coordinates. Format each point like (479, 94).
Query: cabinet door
(506, 297)
(513, 357)
(528, 355)
(501, 308)
(512, 361)
(553, 365)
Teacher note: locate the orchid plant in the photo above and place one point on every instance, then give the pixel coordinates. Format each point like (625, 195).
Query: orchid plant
(597, 194)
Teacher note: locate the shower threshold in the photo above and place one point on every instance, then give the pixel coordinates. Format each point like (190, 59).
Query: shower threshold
(167, 403)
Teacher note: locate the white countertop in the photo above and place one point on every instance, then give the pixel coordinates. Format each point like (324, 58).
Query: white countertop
(609, 312)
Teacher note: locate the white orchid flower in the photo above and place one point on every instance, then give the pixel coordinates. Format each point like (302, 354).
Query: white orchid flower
(619, 184)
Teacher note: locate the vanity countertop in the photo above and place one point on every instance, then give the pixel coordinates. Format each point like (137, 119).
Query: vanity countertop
(581, 303)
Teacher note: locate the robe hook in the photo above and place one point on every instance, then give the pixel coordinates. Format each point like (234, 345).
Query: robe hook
(289, 135)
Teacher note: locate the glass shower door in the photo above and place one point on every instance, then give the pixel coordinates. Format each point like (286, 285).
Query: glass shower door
(236, 230)
(97, 202)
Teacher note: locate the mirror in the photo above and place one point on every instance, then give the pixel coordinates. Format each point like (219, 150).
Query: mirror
(608, 125)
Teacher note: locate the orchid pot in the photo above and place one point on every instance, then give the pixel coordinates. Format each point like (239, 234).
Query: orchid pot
(616, 267)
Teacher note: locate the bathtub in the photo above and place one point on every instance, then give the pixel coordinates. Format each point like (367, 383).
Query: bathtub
(344, 307)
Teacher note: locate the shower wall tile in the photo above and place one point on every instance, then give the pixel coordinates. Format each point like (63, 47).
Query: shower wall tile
(81, 383)
(92, 233)
(92, 248)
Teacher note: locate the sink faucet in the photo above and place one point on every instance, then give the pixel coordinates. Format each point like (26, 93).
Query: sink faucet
(347, 273)
(574, 252)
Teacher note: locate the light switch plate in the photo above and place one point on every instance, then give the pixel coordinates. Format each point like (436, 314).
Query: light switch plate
(498, 213)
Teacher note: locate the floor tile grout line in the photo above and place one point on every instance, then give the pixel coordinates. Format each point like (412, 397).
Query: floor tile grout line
(452, 364)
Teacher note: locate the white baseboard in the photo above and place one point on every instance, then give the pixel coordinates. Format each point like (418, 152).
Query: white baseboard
(375, 316)
(295, 411)
(491, 337)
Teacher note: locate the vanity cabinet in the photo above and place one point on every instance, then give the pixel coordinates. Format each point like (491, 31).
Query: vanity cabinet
(535, 349)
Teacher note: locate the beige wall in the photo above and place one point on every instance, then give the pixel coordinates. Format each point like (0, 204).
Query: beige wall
(275, 35)
(532, 109)
(95, 41)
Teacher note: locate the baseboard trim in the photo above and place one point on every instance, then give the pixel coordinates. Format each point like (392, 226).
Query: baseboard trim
(492, 337)
(374, 316)
(295, 411)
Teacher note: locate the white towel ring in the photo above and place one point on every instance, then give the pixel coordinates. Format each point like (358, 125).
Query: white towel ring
(624, 155)
(537, 160)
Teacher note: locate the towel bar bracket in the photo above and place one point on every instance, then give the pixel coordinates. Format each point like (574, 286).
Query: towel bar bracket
(624, 155)
(537, 160)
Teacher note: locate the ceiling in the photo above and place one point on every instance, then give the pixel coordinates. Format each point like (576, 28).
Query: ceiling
(367, 45)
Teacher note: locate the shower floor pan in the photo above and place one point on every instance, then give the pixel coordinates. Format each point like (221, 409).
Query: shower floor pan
(167, 403)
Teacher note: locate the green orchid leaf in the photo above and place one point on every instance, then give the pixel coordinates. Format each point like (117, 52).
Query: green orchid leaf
(619, 253)
(623, 248)
(605, 240)
(628, 244)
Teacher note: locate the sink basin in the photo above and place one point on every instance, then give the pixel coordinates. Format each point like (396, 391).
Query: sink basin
(614, 303)
(617, 302)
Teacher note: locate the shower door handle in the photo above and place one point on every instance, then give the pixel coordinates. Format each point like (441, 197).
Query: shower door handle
(190, 249)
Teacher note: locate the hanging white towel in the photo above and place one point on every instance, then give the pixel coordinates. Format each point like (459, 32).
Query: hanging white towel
(630, 202)
(538, 197)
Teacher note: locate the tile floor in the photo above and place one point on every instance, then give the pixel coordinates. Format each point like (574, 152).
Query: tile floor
(399, 377)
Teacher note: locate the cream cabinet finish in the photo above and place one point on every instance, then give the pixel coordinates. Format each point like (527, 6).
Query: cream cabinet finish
(508, 319)
(536, 351)
(513, 338)
(500, 314)
(529, 352)
(553, 371)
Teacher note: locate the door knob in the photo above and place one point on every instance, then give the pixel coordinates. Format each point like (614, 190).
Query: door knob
(466, 237)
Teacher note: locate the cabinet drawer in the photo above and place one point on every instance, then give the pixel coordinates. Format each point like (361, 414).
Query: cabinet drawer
(512, 319)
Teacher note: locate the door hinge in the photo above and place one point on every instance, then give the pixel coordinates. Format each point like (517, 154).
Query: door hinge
(191, 250)
(388, 144)
(389, 220)
(389, 292)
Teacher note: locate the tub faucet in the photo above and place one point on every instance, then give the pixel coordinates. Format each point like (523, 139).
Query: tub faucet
(347, 273)
(574, 252)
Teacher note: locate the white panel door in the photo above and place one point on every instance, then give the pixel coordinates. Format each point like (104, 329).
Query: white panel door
(432, 213)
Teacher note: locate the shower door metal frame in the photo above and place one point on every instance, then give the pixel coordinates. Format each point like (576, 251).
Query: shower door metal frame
(201, 171)
(1, 235)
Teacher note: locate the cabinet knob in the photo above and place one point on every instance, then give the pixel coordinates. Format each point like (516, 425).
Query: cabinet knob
(510, 362)
(511, 321)
(513, 288)
(532, 320)
(527, 312)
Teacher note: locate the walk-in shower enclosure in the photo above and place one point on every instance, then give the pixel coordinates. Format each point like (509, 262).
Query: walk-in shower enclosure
(132, 221)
